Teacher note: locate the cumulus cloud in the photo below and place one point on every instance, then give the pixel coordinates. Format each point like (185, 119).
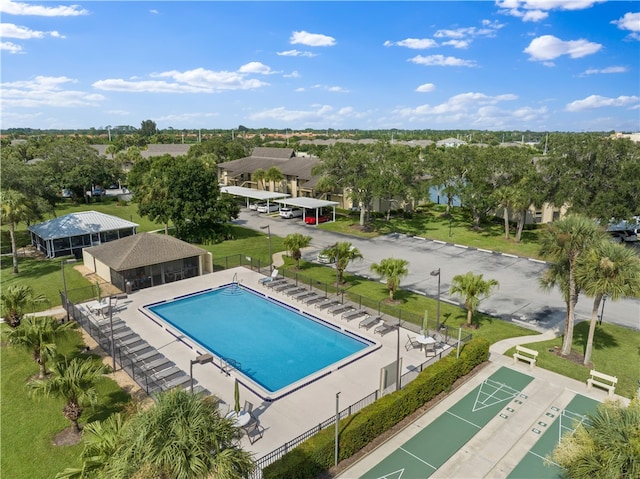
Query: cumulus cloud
(296, 53)
(256, 67)
(18, 8)
(315, 115)
(293, 74)
(9, 30)
(334, 89)
(46, 91)
(597, 101)
(442, 61)
(536, 10)
(597, 71)
(10, 47)
(631, 22)
(426, 88)
(413, 43)
(548, 47)
(312, 39)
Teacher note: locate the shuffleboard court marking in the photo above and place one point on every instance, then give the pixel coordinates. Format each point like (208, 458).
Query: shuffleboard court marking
(491, 399)
(418, 458)
(463, 419)
(544, 459)
(393, 475)
(575, 420)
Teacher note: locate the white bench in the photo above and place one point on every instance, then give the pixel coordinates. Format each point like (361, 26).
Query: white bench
(602, 380)
(525, 354)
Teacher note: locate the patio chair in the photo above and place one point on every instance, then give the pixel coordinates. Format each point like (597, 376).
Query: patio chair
(254, 430)
(411, 343)
(248, 407)
(268, 279)
(385, 327)
(430, 349)
(349, 315)
(369, 321)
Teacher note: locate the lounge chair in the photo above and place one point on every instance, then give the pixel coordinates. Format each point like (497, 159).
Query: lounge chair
(314, 299)
(341, 308)
(138, 348)
(283, 286)
(412, 343)
(349, 315)
(275, 283)
(177, 382)
(268, 279)
(327, 303)
(385, 327)
(303, 294)
(165, 373)
(157, 364)
(298, 290)
(369, 321)
(150, 355)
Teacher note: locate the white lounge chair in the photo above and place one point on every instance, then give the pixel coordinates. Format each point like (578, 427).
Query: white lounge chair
(268, 279)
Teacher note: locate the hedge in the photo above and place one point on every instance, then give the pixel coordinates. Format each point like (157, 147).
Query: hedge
(356, 431)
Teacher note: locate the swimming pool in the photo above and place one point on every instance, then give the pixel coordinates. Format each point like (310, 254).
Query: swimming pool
(272, 344)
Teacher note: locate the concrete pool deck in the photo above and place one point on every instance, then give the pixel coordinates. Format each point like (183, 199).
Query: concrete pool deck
(296, 413)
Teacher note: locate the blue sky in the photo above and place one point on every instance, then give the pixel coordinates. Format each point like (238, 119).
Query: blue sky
(541, 65)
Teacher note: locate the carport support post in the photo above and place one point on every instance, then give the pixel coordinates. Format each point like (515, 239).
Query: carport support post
(268, 228)
(337, 427)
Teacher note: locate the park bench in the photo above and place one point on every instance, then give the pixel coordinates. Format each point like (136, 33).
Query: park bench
(525, 354)
(602, 380)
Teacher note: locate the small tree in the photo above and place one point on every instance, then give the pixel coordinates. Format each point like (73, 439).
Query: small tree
(16, 208)
(294, 243)
(343, 253)
(473, 288)
(38, 335)
(393, 270)
(15, 300)
(75, 382)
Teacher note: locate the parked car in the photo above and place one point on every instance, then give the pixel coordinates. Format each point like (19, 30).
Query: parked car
(325, 258)
(67, 193)
(624, 236)
(97, 191)
(254, 206)
(311, 220)
(290, 212)
(270, 208)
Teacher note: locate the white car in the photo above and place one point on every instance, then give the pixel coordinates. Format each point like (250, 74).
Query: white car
(272, 207)
(255, 206)
(290, 212)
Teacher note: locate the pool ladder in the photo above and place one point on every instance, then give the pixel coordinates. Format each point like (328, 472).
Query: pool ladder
(228, 364)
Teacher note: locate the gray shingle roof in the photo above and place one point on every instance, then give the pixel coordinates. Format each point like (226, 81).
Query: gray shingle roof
(77, 224)
(143, 249)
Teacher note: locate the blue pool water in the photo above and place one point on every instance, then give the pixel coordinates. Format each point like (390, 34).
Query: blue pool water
(273, 345)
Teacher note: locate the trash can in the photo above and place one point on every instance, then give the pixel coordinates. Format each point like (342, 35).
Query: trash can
(127, 287)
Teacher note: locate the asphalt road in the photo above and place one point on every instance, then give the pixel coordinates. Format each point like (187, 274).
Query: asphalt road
(519, 297)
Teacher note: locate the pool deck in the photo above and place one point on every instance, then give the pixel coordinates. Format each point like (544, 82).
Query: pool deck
(296, 413)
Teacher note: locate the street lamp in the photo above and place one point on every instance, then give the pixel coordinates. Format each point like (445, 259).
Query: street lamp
(398, 359)
(436, 272)
(202, 359)
(113, 345)
(268, 228)
(64, 285)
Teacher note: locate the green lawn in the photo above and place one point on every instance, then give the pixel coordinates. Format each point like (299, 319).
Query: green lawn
(30, 425)
(616, 351)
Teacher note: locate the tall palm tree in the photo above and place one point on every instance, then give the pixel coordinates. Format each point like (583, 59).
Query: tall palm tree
(603, 446)
(473, 288)
(344, 253)
(611, 269)
(75, 382)
(274, 175)
(393, 270)
(16, 208)
(563, 243)
(38, 335)
(16, 299)
(294, 243)
(182, 436)
(259, 176)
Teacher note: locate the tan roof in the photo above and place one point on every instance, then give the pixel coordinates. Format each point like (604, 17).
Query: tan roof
(143, 249)
(279, 157)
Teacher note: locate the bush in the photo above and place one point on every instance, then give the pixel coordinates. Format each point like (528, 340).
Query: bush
(356, 431)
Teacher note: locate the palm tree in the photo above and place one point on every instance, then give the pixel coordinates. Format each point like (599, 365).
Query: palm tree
(473, 288)
(259, 176)
(16, 299)
(75, 382)
(38, 335)
(393, 270)
(563, 243)
(611, 269)
(605, 445)
(182, 436)
(274, 175)
(16, 208)
(343, 252)
(295, 243)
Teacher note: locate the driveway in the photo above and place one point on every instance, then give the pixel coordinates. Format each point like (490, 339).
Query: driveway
(519, 297)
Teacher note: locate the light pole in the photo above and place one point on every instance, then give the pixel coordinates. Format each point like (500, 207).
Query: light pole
(268, 228)
(202, 359)
(436, 272)
(113, 346)
(337, 427)
(64, 285)
(398, 359)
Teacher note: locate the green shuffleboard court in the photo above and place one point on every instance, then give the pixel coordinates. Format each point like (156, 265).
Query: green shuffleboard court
(533, 465)
(424, 453)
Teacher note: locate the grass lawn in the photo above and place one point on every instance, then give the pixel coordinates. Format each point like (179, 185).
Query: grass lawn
(431, 223)
(616, 351)
(30, 425)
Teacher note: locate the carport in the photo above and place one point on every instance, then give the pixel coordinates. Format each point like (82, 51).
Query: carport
(310, 203)
(250, 193)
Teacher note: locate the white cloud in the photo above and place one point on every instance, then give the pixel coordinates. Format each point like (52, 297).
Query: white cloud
(441, 60)
(46, 91)
(597, 71)
(426, 88)
(458, 103)
(457, 43)
(296, 53)
(536, 10)
(334, 89)
(548, 47)
(321, 115)
(312, 39)
(293, 74)
(597, 101)
(413, 43)
(256, 67)
(18, 8)
(631, 22)
(186, 117)
(9, 30)
(10, 47)
(154, 11)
